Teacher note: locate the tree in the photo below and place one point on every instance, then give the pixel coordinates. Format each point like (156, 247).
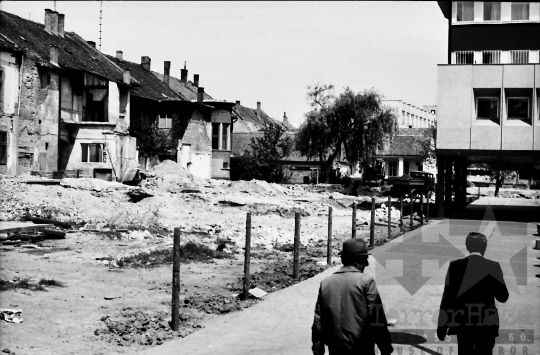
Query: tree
(264, 159)
(358, 123)
(498, 175)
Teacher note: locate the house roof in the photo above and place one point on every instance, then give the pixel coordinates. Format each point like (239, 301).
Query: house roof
(247, 114)
(405, 142)
(31, 38)
(186, 92)
(151, 87)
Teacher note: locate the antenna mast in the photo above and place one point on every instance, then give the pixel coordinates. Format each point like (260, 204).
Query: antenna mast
(100, 17)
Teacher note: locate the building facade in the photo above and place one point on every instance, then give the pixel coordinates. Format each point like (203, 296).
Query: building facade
(410, 116)
(488, 93)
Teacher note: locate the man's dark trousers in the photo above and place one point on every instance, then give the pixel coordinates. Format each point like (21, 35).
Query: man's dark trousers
(473, 343)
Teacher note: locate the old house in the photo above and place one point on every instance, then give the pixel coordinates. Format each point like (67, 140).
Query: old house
(65, 106)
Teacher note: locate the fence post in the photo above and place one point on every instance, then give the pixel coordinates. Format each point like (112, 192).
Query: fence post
(422, 209)
(389, 217)
(401, 227)
(372, 225)
(412, 208)
(247, 255)
(175, 316)
(354, 220)
(329, 244)
(296, 257)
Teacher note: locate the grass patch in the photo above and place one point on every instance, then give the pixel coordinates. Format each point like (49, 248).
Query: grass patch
(26, 284)
(189, 252)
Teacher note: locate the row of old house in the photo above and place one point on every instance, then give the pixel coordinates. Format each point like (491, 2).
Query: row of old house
(68, 109)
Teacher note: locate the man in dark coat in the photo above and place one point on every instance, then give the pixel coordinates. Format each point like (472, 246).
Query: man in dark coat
(349, 315)
(468, 303)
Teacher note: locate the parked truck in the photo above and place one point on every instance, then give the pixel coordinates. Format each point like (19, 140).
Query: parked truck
(419, 181)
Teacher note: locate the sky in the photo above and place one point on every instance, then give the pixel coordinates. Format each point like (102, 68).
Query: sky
(271, 51)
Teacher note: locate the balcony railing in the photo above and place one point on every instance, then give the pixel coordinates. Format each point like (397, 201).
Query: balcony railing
(491, 57)
(464, 57)
(519, 56)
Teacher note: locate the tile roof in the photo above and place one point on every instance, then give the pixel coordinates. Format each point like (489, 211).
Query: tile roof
(249, 116)
(186, 92)
(404, 143)
(31, 38)
(150, 86)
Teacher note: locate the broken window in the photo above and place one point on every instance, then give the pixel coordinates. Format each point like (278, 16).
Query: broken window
(92, 152)
(165, 120)
(3, 148)
(225, 136)
(215, 135)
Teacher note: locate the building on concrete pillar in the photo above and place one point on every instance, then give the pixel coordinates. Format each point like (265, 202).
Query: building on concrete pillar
(488, 96)
(410, 116)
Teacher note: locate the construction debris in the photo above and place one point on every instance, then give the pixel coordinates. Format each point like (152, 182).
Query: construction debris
(11, 315)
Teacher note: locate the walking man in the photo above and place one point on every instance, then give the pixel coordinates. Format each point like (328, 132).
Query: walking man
(349, 315)
(468, 303)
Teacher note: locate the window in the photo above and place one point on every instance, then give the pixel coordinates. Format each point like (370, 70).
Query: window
(491, 57)
(406, 167)
(92, 152)
(165, 120)
(520, 11)
(225, 165)
(464, 57)
(3, 148)
(492, 11)
(392, 168)
(215, 135)
(225, 136)
(487, 108)
(518, 108)
(465, 11)
(519, 56)
(96, 91)
(420, 166)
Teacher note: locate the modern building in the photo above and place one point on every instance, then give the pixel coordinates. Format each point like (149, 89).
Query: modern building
(410, 116)
(488, 92)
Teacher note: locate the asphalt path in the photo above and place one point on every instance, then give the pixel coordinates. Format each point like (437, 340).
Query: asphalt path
(410, 273)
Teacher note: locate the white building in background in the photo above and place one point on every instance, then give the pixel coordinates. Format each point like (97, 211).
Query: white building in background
(410, 116)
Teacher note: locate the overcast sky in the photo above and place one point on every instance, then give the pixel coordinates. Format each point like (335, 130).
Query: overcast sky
(270, 51)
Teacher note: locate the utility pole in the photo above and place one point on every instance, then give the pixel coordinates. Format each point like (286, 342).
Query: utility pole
(100, 17)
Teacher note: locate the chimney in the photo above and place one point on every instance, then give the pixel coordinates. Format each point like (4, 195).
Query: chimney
(166, 72)
(183, 74)
(145, 62)
(119, 55)
(285, 119)
(258, 109)
(238, 102)
(200, 95)
(91, 43)
(127, 76)
(53, 51)
(54, 22)
(61, 20)
(196, 80)
(48, 20)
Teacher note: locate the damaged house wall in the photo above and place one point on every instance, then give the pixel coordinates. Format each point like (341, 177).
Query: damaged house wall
(9, 92)
(195, 153)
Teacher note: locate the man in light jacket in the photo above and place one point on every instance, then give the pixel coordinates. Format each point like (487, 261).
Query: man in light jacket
(349, 315)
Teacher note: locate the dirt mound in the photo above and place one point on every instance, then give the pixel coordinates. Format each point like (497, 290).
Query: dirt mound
(169, 167)
(169, 176)
(253, 187)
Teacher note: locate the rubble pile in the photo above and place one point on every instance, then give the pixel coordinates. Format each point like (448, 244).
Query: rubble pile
(215, 304)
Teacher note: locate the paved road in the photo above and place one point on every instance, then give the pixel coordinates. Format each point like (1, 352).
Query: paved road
(281, 324)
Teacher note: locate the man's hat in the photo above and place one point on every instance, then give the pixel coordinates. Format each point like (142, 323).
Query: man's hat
(354, 247)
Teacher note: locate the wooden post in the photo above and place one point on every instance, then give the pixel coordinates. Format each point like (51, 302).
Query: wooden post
(412, 208)
(175, 322)
(422, 209)
(296, 257)
(247, 255)
(427, 207)
(353, 220)
(401, 227)
(389, 217)
(372, 226)
(329, 243)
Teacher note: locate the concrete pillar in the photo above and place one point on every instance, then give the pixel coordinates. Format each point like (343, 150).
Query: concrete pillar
(448, 186)
(400, 167)
(439, 190)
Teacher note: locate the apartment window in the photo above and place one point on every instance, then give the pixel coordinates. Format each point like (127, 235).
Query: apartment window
(520, 11)
(464, 57)
(392, 168)
(92, 152)
(491, 57)
(465, 11)
(518, 108)
(487, 108)
(225, 165)
(406, 167)
(3, 148)
(215, 135)
(225, 136)
(165, 120)
(492, 11)
(519, 56)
